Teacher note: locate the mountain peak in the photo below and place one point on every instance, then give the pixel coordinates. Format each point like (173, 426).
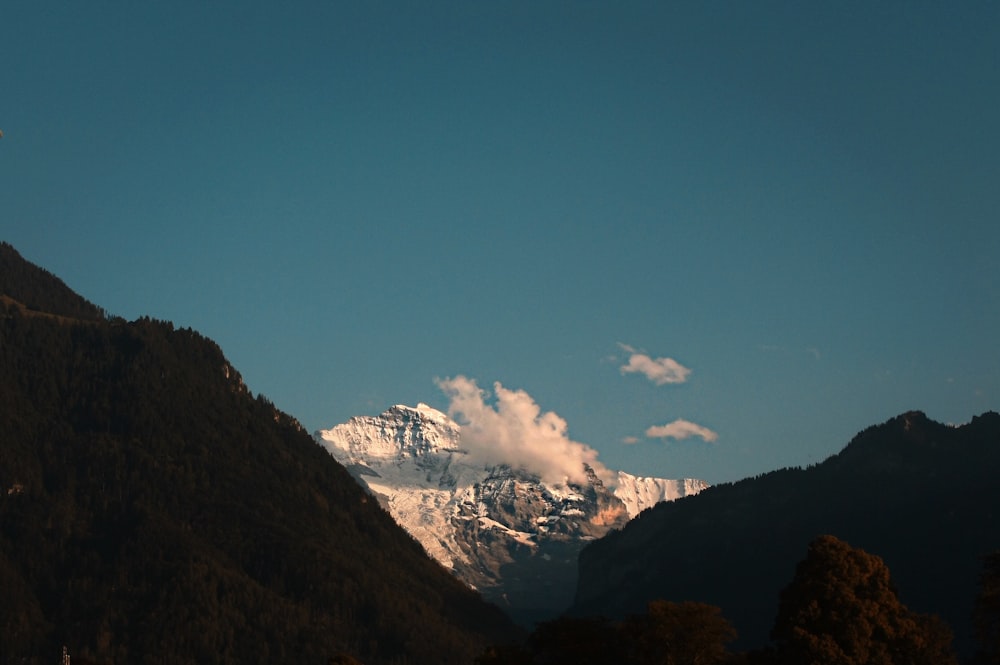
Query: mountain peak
(912, 419)
(398, 432)
(904, 440)
(501, 529)
(421, 410)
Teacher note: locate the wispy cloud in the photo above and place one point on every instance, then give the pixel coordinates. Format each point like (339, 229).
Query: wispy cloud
(658, 370)
(516, 432)
(629, 440)
(681, 429)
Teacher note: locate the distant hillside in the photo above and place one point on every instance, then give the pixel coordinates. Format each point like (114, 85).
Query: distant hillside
(38, 290)
(921, 495)
(153, 510)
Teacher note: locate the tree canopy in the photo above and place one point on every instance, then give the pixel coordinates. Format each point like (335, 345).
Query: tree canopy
(668, 633)
(841, 608)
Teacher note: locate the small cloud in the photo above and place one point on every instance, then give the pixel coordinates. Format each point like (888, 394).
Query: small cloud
(681, 429)
(658, 370)
(629, 440)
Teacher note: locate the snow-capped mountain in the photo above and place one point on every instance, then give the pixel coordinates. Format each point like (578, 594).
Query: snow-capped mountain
(500, 529)
(639, 493)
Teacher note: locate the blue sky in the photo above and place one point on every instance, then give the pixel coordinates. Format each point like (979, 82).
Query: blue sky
(794, 203)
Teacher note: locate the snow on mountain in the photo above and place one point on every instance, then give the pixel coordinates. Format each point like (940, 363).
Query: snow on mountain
(409, 458)
(639, 493)
(500, 529)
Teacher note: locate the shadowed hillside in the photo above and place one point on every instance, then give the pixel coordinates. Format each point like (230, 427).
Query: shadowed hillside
(921, 495)
(153, 510)
(38, 290)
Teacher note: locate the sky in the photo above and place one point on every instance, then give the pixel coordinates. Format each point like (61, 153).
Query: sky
(680, 239)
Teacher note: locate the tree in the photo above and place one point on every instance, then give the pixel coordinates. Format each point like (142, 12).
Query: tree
(508, 654)
(986, 613)
(574, 641)
(343, 659)
(842, 609)
(686, 633)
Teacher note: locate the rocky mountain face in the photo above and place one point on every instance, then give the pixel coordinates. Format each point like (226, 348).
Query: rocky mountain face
(502, 530)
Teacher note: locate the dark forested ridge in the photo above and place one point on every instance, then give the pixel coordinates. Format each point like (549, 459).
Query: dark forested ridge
(153, 510)
(921, 495)
(35, 289)
(841, 608)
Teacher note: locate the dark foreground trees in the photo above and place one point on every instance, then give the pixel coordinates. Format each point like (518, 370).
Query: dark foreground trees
(686, 633)
(986, 614)
(842, 609)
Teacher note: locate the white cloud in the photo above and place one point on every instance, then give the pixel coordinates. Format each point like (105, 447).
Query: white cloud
(658, 370)
(681, 429)
(516, 432)
(629, 440)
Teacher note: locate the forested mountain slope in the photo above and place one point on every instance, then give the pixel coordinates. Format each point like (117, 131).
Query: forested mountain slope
(153, 510)
(37, 290)
(922, 495)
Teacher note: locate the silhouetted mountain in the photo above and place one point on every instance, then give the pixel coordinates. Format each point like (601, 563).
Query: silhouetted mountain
(37, 290)
(921, 495)
(153, 510)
